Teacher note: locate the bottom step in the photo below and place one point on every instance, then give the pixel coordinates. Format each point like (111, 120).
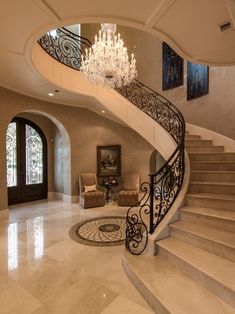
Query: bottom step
(213, 272)
(168, 290)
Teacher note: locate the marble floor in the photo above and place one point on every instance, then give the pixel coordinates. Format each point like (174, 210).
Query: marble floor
(43, 271)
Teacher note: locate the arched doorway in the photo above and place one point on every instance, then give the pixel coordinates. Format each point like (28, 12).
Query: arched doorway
(26, 148)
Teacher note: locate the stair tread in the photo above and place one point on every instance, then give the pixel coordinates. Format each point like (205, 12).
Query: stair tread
(216, 213)
(223, 270)
(205, 146)
(212, 171)
(196, 146)
(208, 148)
(198, 140)
(175, 290)
(213, 196)
(213, 161)
(192, 136)
(220, 236)
(213, 153)
(213, 183)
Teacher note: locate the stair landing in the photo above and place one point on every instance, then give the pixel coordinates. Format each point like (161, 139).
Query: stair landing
(169, 290)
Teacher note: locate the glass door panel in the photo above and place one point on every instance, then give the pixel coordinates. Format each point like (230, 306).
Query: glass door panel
(34, 156)
(26, 162)
(11, 155)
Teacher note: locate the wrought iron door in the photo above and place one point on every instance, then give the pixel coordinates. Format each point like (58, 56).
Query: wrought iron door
(26, 162)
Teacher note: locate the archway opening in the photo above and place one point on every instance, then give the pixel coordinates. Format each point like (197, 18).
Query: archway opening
(57, 159)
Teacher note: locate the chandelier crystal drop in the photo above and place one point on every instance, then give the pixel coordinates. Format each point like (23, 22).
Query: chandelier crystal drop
(53, 33)
(107, 62)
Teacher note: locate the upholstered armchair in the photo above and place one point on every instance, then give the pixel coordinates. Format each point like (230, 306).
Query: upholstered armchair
(129, 195)
(90, 196)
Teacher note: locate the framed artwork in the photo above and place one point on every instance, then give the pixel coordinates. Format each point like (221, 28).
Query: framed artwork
(172, 68)
(197, 80)
(109, 160)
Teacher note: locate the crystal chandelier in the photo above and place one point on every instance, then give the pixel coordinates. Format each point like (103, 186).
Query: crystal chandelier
(53, 33)
(107, 61)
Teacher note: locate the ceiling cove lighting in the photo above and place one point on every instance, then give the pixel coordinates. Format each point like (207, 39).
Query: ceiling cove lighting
(107, 62)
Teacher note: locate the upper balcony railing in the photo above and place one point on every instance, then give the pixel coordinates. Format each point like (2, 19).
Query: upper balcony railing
(66, 47)
(160, 193)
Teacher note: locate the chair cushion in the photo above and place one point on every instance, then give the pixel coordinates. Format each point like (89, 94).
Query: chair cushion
(128, 198)
(92, 199)
(131, 181)
(88, 178)
(128, 192)
(90, 188)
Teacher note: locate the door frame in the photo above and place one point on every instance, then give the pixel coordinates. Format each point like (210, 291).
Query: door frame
(21, 164)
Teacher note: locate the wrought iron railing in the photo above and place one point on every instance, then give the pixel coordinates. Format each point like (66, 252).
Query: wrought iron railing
(160, 193)
(66, 47)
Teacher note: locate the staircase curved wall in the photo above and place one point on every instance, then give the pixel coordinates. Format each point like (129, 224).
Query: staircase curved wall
(69, 79)
(217, 105)
(218, 139)
(153, 132)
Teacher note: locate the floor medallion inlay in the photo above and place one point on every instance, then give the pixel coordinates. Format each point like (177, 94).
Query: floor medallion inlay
(100, 231)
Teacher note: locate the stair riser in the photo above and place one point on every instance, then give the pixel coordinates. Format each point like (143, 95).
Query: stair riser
(212, 167)
(211, 189)
(204, 149)
(143, 289)
(204, 279)
(212, 157)
(198, 142)
(205, 244)
(208, 221)
(210, 203)
(192, 137)
(212, 176)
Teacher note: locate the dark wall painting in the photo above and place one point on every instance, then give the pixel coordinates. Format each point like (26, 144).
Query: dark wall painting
(109, 160)
(172, 68)
(197, 80)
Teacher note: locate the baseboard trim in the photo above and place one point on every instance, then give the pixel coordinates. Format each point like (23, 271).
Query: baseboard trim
(70, 198)
(4, 213)
(63, 197)
(54, 196)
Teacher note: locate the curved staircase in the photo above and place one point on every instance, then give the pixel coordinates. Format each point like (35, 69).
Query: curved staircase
(194, 270)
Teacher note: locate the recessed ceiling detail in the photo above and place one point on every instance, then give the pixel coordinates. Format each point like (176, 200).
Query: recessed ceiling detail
(189, 27)
(226, 26)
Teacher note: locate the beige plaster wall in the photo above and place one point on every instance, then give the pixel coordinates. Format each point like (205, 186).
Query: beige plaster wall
(58, 163)
(215, 111)
(88, 130)
(85, 129)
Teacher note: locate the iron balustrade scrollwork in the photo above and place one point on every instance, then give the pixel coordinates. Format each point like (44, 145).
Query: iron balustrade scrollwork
(159, 194)
(66, 47)
(164, 187)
